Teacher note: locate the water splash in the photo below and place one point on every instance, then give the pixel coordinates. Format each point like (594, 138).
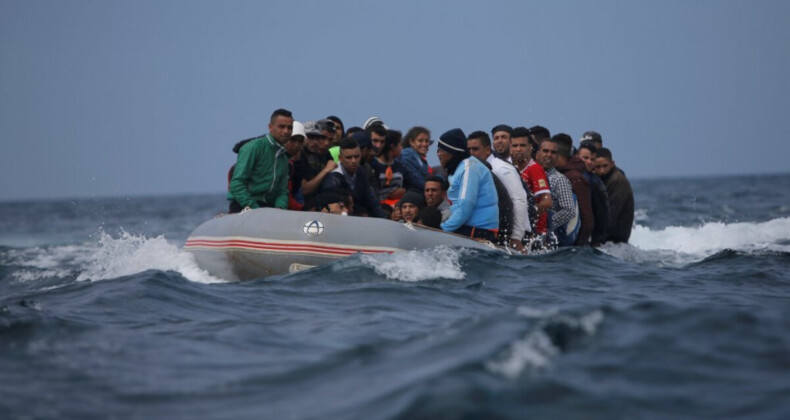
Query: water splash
(129, 254)
(420, 265)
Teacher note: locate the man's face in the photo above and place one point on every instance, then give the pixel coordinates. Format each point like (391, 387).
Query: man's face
(317, 144)
(588, 157)
(378, 142)
(281, 128)
(520, 149)
(547, 154)
(603, 166)
(293, 145)
(477, 149)
(502, 143)
(409, 211)
(421, 143)
(433, 193)
(444, 157)
(349, 158)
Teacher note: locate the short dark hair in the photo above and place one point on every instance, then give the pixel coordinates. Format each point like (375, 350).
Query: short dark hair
(440, 180)
(348, 143)
(604, 153)
(539, 133)
(502, 127)
(564, 144)
(430, 217)
(482, 136)
(378, 129)
(280, 113)
(354, 129)
(520, 132)
(589, 145)
(413, 133)
(391, 140)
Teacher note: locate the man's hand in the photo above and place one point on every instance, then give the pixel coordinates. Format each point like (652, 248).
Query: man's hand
(330, 166)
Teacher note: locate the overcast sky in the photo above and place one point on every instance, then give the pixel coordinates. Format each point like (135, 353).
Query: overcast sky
(137, 97)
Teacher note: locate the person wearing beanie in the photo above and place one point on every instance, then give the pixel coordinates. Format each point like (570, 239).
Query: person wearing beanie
(474, 211)
(409, 206)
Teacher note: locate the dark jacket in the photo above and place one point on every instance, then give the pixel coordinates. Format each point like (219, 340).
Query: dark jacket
(574, 171)
(621, 205)
(600, 205)
(365, 201)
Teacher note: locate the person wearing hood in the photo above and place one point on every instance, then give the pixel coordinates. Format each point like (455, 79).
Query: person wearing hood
(474, 211)
(574, 168)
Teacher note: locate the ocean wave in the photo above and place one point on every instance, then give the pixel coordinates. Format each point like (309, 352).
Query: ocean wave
(554, 333)
(680, 245)
(420, 265)
(130, 254)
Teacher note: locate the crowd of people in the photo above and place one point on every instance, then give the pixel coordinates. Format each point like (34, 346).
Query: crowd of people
(518, 187)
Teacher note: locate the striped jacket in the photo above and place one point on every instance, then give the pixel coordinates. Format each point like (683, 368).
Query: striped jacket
(473, 197)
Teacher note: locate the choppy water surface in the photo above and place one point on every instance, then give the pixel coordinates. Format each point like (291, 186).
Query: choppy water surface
(103, 315)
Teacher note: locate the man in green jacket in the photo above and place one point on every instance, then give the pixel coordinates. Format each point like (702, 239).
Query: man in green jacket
(260, 178)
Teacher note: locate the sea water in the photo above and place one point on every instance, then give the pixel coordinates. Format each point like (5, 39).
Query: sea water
(103, 315)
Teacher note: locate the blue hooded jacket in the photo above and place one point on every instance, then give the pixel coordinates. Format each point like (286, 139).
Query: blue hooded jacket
(473, 194)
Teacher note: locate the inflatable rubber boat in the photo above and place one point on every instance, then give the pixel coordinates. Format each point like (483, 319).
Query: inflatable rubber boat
(264, 242)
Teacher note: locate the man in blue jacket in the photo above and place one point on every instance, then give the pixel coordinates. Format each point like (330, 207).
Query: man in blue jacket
(474, 209)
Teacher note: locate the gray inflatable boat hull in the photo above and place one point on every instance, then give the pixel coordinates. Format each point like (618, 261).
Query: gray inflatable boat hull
(264, 242)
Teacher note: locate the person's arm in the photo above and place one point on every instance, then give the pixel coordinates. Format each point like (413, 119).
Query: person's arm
(281, 202)
(241, 177)
(309, 187)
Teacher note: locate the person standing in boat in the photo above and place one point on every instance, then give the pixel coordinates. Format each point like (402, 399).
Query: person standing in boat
(621, 197)
(389, 171)
(475, 210)
(351, 176)
(479, 145)
(315, 162)
(260, 177)
(501, 135)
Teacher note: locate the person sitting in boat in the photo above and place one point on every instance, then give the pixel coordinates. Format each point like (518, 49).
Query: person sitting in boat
(435, 193)
(474, 210)
(315, 163)
(564, 216)
(293, 147)
(260, 177)
(429, 217)
(351, 176)
(407, 208)
(366, 147)
(389, 171)
(331, 202)
(415, 166)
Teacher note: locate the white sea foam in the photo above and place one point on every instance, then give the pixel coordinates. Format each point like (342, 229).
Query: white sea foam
(439, 262)
(715, 236)
(129, 254)
(536, 350)
(679, 245)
